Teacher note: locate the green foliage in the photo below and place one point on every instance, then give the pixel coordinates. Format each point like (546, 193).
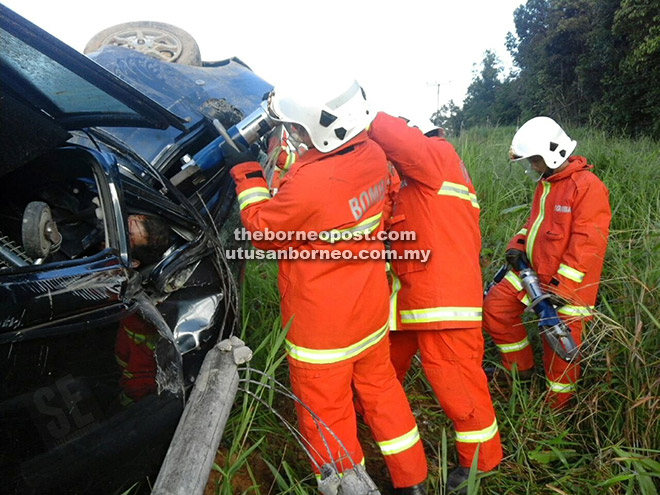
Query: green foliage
(594, 62)
(618, 404)
(607, 443)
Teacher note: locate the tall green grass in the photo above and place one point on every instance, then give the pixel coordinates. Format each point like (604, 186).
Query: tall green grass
(607, 443)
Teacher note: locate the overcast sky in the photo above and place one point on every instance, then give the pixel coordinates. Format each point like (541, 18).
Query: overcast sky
(398, 51)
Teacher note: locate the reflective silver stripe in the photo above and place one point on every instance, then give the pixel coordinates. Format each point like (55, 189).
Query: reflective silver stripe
(569, 310)
(441, 314)
(394, 300)
(515, 346)
(477, 436)
(458, 191)
(522, 231)
(514, 280)
(365, 227)
(396, 445)
(533, 232)
(253, 195)
(571, 273)
(561, 388)
(328, 356)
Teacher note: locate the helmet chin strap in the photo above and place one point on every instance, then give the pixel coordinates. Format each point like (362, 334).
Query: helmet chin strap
(551, 171)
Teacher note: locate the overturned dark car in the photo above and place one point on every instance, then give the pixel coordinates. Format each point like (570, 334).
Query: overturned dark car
(115, 211)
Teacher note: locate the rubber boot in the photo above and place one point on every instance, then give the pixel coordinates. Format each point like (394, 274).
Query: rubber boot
(457, 477)
(419, 489)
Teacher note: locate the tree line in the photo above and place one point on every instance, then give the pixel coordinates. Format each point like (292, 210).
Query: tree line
(583, 62)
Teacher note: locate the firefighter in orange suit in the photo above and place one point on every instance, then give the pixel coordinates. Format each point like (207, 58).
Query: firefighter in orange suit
(565, 239)
(337, 309)
(134, 352)
(281, 156)
(136, 339)
(436, 306)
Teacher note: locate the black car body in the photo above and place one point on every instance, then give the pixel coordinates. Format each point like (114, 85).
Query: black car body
(97, 139)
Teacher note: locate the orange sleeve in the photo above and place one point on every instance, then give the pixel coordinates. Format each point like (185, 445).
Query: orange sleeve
(404, 146)
(519, 241)
(589, 236)
(291, 210)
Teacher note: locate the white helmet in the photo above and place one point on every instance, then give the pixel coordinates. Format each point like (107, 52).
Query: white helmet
(544, 137)
(331, 115)
(427, 127)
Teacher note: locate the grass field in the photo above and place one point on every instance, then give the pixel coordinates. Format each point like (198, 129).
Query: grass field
(608, 443)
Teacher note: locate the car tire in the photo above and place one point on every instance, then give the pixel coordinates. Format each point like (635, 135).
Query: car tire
(39, 233)
(157, 39)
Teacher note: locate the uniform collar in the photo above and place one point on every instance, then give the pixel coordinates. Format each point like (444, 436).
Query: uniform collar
(315, 155)
(575, 164)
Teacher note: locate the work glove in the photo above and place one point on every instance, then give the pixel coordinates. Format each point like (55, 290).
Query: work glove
(517, 259)
(234, 157)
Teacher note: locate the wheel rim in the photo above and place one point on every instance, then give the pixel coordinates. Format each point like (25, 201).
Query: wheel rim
(150, 41)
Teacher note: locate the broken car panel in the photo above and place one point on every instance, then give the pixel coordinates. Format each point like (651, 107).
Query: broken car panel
(99, 344)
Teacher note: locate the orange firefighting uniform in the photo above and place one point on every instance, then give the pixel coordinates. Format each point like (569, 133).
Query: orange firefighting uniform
(134, 351)
(436, 307)
(282, 156)
(337, 309)
(565, 239)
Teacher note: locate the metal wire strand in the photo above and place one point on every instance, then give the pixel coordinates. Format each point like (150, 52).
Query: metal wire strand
(317, 420)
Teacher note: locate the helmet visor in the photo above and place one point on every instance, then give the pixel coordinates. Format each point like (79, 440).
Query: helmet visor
(535, 167)
(298, 137)
(532, 173)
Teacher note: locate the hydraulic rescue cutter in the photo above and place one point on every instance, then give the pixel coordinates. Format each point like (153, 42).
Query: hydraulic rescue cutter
(551, 326)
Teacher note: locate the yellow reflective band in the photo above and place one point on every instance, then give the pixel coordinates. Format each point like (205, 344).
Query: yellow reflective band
(516, 346)
(121, 363)
(396, 287)
(328, 356)
(514, 280)
(124, 399)
(539, 220)
(364, 227)
(458, 191)
(139, 338)
(441, 314)
(253, 195)
(290, 160)
(477, 436)
(522, 231)
(561, 388)
(569, 310)
(571, 273)
(396, 445)
(127, 374)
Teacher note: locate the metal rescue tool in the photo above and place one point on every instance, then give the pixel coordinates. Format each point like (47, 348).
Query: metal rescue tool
(551, 326)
